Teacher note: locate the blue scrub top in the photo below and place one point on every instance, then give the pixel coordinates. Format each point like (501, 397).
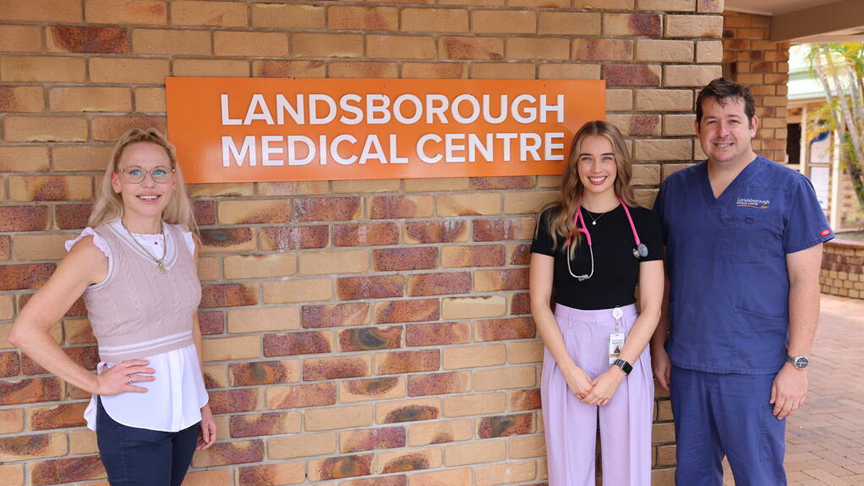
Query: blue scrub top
(726, 259)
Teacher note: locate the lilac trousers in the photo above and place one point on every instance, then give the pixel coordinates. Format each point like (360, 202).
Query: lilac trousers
(571, 426)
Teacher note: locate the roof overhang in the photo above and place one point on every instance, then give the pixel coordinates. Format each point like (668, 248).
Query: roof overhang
(808, 21)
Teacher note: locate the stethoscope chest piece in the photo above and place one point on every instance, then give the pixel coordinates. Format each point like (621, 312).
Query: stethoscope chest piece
(641, 251)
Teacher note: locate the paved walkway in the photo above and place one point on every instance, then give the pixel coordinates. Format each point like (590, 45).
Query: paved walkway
(825, 439)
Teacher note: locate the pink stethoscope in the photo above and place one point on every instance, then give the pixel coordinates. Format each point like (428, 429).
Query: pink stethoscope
(639, 251)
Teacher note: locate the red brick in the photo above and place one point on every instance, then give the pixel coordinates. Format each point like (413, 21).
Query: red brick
(228, 295)
(510, 279)
(225, 238)
(343, 467)
(90, 40)
(519, 254)
(66, 470)
(86, 356)
(446, 231)
(362, 18)
(370, 439)
(5, 247)
(374, 287)
(224, 453)
(72, 216)
(281, 238)
(630, 75)
(439, 383)
(204, 212)
(211, 322)
(503, 229)
(602, 50)
(21, 99)
(334, 368)
(301, 396)
(411, 461)
(636, 24)
(412, 413)
(497, 183)
(232, 401)
(367, 338)
(501, 329)
(437, 334)
(23, 218)
(408, 361)
(309, 342)
(397, 259)
(465, 48)
(473, 256)
(327, 209)
(110, 128)
(368, 388)
(520, 304)
(505, 425)
(50, 188)
(525, 399)
(258, 373)
(445, 283)
(366, 234)
(267, 475)
(317, 316)
(10, 364)
(58, 417)
(393, 207)
(27, 276)
(407, 311)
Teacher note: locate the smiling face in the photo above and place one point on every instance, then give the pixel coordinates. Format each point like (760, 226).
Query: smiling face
(725, 133)
(146, 198)
(596, 166)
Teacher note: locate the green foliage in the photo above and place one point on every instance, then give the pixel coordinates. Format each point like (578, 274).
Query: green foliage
(840, 69)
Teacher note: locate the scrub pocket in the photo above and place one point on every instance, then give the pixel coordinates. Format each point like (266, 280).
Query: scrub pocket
(746, 238)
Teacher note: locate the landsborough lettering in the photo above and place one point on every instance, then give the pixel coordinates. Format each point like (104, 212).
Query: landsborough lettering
(350, 110)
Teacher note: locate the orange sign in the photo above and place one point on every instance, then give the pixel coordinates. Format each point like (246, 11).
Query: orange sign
(248, 129)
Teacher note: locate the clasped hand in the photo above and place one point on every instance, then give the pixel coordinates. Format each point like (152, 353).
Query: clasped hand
(597, 391)
(122, 377)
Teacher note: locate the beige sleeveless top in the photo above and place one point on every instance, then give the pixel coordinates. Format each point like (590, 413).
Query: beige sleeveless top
(136, 311)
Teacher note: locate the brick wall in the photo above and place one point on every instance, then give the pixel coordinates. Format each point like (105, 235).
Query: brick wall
(843, 268)
(850, 210)
(353, 328)
(751, 59)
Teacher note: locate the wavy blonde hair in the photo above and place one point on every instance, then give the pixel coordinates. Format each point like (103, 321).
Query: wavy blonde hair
(109, 204)
(561, 224)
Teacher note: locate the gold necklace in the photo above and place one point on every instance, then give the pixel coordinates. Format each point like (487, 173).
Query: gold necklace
(160, 267)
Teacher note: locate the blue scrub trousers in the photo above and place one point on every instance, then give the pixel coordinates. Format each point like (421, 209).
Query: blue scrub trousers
(143, 457)
(726, 414)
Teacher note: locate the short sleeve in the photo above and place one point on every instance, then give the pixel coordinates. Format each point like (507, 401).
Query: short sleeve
(651, 234)
(542, 237)
(97, 240)
(807, 225)
(189, 239)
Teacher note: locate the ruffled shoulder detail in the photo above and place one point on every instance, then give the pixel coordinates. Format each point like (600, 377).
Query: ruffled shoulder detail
(97, 240)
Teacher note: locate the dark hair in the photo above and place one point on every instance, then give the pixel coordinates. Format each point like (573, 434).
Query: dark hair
(722, 90)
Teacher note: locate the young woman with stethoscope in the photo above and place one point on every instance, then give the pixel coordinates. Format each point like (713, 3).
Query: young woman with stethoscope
(590, 249)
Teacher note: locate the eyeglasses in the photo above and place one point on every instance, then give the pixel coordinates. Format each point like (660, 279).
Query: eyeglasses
(136, 175)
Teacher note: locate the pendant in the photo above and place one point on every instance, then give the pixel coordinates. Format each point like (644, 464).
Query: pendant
(160, 268)
(593, 223)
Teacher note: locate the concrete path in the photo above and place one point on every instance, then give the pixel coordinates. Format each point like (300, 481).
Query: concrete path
(825, 439)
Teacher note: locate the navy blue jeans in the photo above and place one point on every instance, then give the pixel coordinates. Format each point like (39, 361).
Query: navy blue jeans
(142, 457)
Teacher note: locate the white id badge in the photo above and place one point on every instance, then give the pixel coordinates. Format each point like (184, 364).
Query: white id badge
(616, 344)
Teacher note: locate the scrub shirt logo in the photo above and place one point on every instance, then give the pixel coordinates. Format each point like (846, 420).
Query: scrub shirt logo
(752, 203)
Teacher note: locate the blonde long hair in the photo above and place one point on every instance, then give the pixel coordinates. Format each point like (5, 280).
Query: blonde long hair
(561, 225)
(109, 204)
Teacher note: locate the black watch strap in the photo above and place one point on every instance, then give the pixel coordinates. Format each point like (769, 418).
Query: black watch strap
(625, 366)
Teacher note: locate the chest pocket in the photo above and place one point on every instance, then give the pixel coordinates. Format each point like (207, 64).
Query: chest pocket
(751, 236)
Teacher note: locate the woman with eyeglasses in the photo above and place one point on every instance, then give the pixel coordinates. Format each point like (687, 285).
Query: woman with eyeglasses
(591, 247)
(135, 265)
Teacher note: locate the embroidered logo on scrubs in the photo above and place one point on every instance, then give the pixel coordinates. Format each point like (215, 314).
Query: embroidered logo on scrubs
(753, 203)
(825, 232)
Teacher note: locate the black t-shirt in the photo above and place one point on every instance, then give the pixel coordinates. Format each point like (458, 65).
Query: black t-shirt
(616, 270)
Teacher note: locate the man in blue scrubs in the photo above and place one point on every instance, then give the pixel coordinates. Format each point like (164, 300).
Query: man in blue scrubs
(743, 250)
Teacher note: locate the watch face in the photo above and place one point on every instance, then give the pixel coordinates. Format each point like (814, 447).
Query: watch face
(801, 362)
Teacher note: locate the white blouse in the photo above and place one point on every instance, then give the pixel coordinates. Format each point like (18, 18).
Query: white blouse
(174, 399)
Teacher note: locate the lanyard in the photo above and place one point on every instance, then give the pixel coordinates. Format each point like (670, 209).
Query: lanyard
(639, 251)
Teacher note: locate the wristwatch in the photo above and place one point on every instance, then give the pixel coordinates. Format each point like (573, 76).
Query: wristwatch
(625, 366)
(799, 362)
